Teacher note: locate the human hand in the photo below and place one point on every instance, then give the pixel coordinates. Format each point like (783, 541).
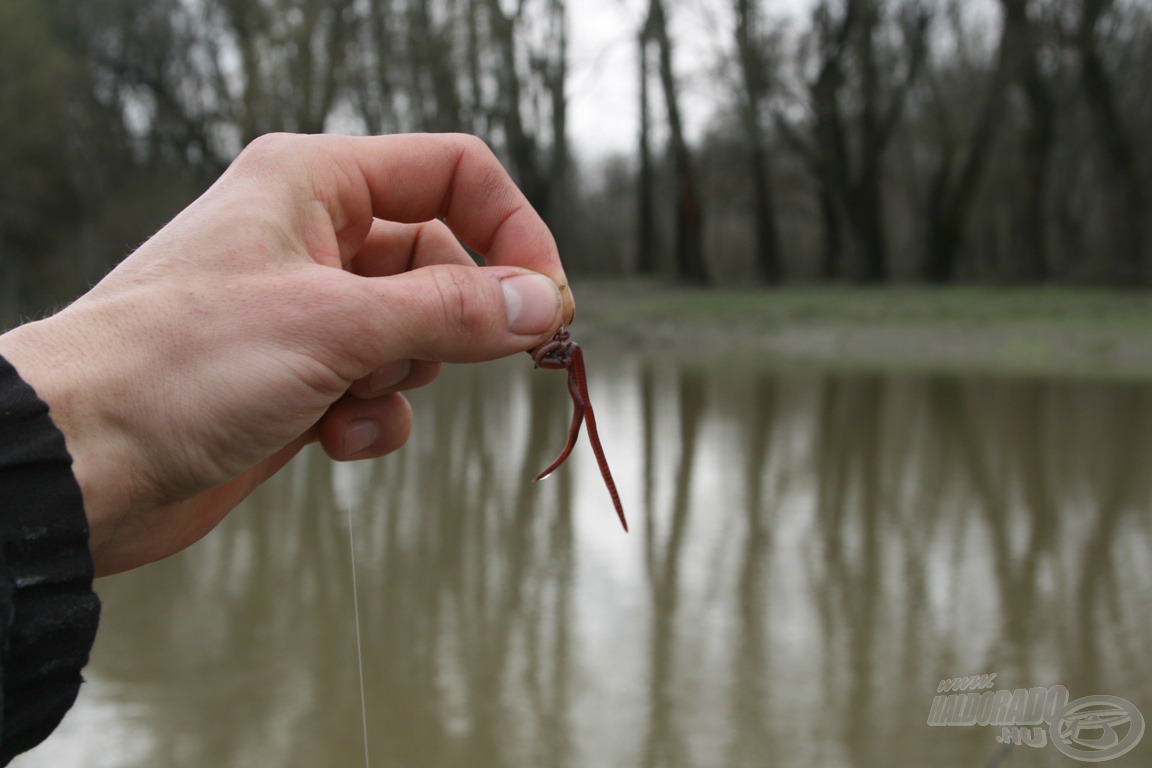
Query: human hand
(292, 302)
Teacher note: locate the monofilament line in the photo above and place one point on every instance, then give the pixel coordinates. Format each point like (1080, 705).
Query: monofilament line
(359, 652)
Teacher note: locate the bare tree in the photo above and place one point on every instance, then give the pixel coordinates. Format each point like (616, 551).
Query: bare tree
(432, 66)
(1033, 260)
(555, 76)
(855, 107)
(1123, 185)
(645, 208)
(292, 55)
(523, 152)
(963, 152)
(542, 77)
(690, 264)
(1021, 155)
(755, 77)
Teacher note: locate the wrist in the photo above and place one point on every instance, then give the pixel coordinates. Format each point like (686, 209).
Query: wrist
(79, 377)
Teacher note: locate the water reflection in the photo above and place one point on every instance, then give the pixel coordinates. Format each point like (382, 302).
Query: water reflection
(811, 555)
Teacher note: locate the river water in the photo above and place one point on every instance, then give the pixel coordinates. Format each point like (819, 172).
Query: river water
(811, 554)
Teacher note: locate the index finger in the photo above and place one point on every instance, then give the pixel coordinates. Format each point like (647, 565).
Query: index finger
(456, 177)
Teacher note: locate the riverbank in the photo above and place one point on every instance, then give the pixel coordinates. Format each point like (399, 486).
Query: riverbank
(1071, 332)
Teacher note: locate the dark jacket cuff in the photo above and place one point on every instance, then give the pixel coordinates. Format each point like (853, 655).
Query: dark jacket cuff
(48, 611)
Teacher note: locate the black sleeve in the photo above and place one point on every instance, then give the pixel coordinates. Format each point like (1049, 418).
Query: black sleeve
(48, 611)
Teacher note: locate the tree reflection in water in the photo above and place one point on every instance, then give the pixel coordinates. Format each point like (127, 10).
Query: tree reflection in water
(813, 554)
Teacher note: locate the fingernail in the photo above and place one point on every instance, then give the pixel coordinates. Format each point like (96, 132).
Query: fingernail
(359, 435)
(531, 303)
(389, 375)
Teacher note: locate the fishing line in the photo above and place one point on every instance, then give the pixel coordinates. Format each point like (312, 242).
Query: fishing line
(359, 652)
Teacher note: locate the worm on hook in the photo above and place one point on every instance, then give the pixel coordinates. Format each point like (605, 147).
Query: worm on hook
(560, 353)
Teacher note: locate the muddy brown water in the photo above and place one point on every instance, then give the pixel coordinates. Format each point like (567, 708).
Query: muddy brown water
(810, 555)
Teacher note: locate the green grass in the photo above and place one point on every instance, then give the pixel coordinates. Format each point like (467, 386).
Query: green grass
(1081, 332)
(968, 306)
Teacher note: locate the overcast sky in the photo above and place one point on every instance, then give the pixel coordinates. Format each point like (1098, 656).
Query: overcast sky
(603, 88)
(602, 91)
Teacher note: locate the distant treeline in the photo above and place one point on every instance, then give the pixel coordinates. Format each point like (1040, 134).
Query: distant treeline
(870, 141)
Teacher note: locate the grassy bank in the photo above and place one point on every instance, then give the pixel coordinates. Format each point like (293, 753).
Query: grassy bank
(1019, 331)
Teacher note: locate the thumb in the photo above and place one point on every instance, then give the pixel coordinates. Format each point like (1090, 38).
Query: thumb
(461, 314)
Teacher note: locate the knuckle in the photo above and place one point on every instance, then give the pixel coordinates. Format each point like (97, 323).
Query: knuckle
(475, 144)
(436, 229)
(436, 234)
(462, 303)
(268, 143)
(271, 148)
(494, 183)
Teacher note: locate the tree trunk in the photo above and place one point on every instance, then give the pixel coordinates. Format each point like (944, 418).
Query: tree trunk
(832, 257)
(244, 24)
(866, 216)
(522, 150)
(1040, 138)
(752, 67)
(828, 155)
(864, 195)
(441, 65)
(1034, 262)
(1124, 188)
(327, 31)
(558, 180)
(379, 106)
(645, 208)
(477, 115)
(690, 265)
(952, 193)
(855, 111)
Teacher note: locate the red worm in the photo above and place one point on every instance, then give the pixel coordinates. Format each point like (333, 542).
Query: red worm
(561, 354)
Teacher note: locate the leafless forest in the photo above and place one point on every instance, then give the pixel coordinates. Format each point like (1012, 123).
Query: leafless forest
(866, 141)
